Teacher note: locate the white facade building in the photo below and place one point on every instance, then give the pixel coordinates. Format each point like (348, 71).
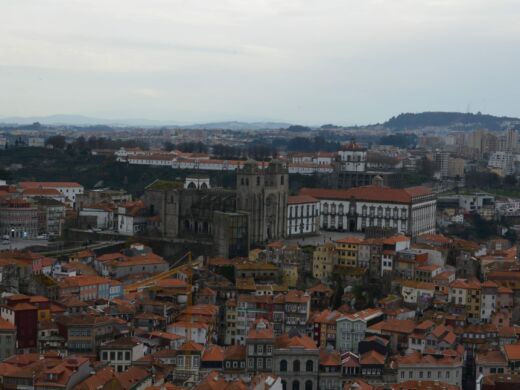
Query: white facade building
(68, 189)
(303, 215)
(353, 158)
(410, 211)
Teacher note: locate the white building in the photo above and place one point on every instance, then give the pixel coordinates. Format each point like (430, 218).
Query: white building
(303, 215)
(68, 189)
(419, 367)
(122, 352)
(194, 331)
(410, 211)
(103, 215)
(350, 328)
(353, 158)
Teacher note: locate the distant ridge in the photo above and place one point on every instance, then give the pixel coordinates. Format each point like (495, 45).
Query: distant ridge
(80, 120)
(411, 121)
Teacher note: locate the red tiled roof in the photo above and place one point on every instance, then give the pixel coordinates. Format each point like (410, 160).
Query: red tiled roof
(512, 351)
(47, 184)
(299, 199)
(213, 353)
(372, 358)
(285, 341)
(369, 193)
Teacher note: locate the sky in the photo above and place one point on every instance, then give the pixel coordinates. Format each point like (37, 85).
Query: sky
(299, 61)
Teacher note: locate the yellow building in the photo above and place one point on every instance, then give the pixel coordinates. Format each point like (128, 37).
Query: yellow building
(347, 249)
(323, 260)
(290, 274)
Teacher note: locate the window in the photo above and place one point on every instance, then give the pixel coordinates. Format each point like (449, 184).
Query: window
(260, 349)
(112, 355)
(296, 366)
(283, 365)
(309, 366)
(260, 363)
(402, 374)
(268, 363)
(105, 355)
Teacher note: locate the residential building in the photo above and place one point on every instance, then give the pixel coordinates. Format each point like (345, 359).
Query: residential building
(121, 353)
(296, 361)
(351, 328)
(324, 258)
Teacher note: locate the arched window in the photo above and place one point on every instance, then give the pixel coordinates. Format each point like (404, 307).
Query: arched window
(340, 208)
(309, 367)
(325, 208)
(379, 211)
(192, 185)
(296, 366)
(308, 385)
(333, 208)
(283, 365)
(204, 186)
(296, 385)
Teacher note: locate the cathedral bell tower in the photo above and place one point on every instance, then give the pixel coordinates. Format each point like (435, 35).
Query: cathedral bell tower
(262, 190)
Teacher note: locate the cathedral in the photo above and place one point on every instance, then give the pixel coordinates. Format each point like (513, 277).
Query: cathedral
(233, 220)
(262, 194)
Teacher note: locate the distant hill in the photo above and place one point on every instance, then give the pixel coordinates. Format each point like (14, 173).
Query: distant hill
(238, 126)
(80, 120)
(410, 121)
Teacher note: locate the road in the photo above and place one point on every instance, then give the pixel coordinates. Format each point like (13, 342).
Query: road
(22, 244)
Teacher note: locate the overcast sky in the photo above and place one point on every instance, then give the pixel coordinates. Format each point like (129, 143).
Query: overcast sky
(302, 61)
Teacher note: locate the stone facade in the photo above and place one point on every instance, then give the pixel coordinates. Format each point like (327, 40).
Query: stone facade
(262, 193)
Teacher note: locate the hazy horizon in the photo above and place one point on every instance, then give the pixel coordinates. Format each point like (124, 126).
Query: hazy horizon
(297, 61)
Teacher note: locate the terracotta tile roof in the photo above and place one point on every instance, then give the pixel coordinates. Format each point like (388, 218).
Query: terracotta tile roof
(326, 317)
(424, 385)
(329, 358)
(491, 357)
(394, 325)
(437, 238)
(191, 346)
(41, 191)
(213, 353)
(286, 342)
(349, 240)
(357, 384)
(349, 359)
(82, 281)
(445, 275)
(214, 381)
(372, 358)
(166, 335)
(369, 193)
(235, 352)
(131, 377)
(363, 315)
(417, 358)
(512, 351)
(6, 325)
(48, 184)
(392, 240)
(300, 199)
(320, 287)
